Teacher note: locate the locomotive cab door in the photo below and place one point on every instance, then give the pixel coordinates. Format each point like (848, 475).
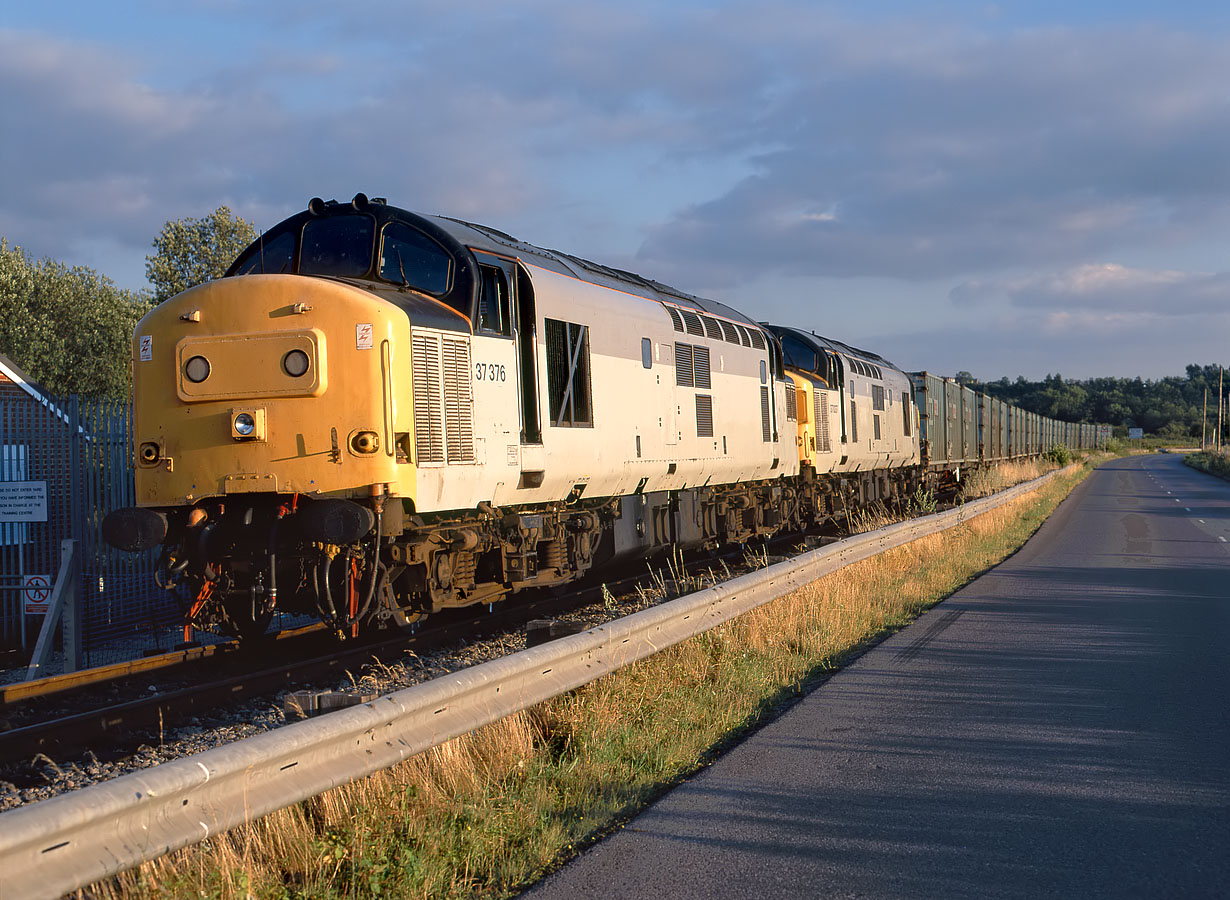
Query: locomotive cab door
(525, 325)
(839, 384)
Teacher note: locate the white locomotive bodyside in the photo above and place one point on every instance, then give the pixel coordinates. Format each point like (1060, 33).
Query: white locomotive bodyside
(626, 394)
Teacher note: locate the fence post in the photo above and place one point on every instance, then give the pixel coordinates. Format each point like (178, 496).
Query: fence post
(79, 528)
(71, 614)
(64, 597)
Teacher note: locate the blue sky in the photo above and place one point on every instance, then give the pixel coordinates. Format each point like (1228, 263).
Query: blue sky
(1007, 188)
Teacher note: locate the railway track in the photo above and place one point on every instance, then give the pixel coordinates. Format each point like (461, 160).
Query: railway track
(107, 728)
(13, 696)
(201, 682)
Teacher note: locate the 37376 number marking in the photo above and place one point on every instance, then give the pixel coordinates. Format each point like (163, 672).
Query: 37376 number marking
(489, 371)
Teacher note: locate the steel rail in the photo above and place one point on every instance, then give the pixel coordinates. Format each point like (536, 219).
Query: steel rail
(102, 728)
(106, 726)
(70, 841)
(52, 685)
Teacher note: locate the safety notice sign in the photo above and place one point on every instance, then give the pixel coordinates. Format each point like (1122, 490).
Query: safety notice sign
(37, 592)
(23, 501)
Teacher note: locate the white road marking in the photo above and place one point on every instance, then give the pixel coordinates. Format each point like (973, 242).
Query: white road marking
(1187, 509)
(1221, 538)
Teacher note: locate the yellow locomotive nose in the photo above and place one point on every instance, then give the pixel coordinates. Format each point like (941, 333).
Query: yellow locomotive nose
(270, 383)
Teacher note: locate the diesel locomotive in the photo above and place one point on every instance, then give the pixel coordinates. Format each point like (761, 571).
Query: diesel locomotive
(377, 414)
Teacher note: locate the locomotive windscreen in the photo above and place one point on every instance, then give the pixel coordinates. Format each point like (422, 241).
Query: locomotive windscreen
(411, 258)
(273, 257)
(337, 245)
(343, 245)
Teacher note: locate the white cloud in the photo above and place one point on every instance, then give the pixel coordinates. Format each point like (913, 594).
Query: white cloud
(951, 153)
(1106, 294)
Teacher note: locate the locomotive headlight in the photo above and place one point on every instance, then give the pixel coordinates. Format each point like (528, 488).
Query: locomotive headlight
(248, 424)
(149, 453)
(364, 442)
(196, 369)
(296, 363)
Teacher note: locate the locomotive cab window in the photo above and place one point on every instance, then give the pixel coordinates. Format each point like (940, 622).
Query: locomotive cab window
(775, 359)
(836, 374)
(494, 303)
(338, 245)
(412, 259)
(798, 354)
(274, 257)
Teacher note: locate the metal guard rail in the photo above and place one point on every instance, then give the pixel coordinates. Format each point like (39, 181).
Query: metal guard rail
(67, 842)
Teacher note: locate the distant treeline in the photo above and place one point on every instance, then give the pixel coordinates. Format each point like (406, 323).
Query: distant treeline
(1170, 407)
(70, 328)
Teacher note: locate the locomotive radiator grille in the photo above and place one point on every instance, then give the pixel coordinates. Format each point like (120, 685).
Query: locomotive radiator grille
(684, 366)
(791, 403)
(822, 422)
(443, 407)
(458, 405)
(704, 415)
(428, 421)
(700, 361)
(766, 429)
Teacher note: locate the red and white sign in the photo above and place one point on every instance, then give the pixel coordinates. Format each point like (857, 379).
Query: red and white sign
(37, 592)
(363, 336)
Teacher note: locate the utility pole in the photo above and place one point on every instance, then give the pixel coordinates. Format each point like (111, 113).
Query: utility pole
(1220, 374)
(1204, 419)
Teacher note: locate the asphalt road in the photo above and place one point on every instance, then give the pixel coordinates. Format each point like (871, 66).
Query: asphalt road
(1058, 728)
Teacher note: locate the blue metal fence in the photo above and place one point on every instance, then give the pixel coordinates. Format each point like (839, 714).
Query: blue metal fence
(80, 451)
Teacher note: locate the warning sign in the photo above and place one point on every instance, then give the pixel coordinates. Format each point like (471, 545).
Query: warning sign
(363, 336)
(37, 592)
(23, 501)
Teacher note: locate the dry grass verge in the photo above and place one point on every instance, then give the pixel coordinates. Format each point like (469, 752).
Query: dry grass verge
(488, 813)
(981, 482)
(985, 482)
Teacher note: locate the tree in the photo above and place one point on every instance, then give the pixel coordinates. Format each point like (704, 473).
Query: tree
(964, 377)
(1171, 406)
(69, 328)
(192, 251)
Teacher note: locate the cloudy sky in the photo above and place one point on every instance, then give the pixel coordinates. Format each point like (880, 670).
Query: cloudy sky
(1014, 188)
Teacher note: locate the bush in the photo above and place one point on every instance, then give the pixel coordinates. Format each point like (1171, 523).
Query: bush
(1059, 455)
(1214, 463)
